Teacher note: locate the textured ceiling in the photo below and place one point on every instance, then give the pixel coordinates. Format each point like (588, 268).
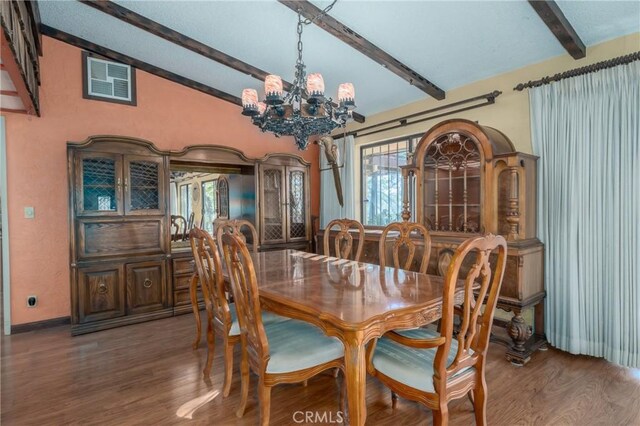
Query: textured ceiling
(451, 43)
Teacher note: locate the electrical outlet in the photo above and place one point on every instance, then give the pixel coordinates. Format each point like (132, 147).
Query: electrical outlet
(32, 301)
(29, 212)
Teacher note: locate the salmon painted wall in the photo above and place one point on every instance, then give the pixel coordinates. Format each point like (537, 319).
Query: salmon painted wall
(168, 114)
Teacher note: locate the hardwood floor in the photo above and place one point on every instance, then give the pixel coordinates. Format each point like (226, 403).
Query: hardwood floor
(145, 373)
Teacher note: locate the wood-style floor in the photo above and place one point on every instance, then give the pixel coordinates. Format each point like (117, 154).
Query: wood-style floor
(145, 373)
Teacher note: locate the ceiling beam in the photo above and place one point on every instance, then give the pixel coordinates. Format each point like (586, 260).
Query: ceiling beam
(355, 40)
(159, 30)
(552, 16)
(136, 63)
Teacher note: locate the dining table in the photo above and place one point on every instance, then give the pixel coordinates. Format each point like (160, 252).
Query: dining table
(353, 301)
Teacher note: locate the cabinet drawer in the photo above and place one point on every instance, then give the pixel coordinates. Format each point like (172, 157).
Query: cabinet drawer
(181, 282)
(182, 297)
(146, 289)
(184, 265)
(118, 238)
(100, 292)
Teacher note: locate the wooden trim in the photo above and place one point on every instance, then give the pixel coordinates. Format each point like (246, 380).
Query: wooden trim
(9, 93)
(128, 60)
(40, 325)
(85, 82)
(182, 40)
(15, 111)
(364, 46)
(552, 16)
(10, 65)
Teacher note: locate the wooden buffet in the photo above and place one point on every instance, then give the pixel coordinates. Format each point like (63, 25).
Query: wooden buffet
(125, 268)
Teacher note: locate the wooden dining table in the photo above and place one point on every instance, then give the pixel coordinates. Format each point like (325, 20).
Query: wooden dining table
(353, 301)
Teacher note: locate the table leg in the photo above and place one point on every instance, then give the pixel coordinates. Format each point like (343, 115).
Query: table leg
(355, 377)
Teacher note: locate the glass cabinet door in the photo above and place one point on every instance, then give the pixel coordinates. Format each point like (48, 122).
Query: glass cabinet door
(297, 221)
(99, 184)
(272, 183)
(144, 185)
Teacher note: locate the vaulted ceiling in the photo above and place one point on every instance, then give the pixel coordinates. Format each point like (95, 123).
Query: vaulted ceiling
(450, 43)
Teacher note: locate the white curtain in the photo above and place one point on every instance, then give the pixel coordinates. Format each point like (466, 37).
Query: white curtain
(329, 207)
(586, 131)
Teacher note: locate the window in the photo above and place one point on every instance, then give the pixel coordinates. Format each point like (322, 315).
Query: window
(107, 80)
(185, 201)
(381, 179)
(209, 204)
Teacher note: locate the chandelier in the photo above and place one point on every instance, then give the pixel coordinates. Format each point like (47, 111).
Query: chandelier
(290, 115)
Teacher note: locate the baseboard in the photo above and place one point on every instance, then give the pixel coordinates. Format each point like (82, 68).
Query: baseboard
(39, 325)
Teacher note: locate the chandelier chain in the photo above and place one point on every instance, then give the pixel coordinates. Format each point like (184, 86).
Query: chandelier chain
(324, 12)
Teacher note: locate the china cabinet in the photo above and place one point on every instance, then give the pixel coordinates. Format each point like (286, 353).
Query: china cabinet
(469, 180)
(463, 180)
(125, 267)
(284, 202)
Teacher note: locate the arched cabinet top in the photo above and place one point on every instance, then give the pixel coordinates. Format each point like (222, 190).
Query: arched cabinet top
(492, 141)
(193, 153)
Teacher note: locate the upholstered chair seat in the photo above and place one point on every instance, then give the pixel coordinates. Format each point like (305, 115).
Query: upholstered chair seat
(296, 345)
(411, 366)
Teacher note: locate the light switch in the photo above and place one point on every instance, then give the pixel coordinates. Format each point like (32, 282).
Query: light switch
(29, 212)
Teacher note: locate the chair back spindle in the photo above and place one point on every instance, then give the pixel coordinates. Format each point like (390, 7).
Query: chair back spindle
(404, 240)
(473, 335)
(343, 242)
(245, 292)
(209, 269)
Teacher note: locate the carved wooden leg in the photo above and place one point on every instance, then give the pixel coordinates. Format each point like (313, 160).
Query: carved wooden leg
(539, 323)
(264, 395)
(394, 399)
(244, 382)
(211, 346)
(228, 367)
(519, 331)
(193, 291)
(356, 378)
(480, 401)
(441, 416)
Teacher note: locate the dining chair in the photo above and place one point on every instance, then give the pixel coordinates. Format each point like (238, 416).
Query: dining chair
(343, 242)
(286, 352)
(434, 368)
(403, 240)
(236, 226)
(221, 315)
(178, 228)
(220, 225)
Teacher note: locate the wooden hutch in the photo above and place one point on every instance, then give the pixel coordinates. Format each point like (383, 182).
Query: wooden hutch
(465, 179)
(125, 268)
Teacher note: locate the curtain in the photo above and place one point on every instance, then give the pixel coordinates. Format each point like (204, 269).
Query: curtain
(586, 130)
(329, 207)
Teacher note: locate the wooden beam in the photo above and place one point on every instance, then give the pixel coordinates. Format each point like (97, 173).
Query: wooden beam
(355, 40)
(552, 16)
(159, 30)
(144, 66)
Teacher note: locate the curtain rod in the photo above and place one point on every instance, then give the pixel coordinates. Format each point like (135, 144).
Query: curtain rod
(610, 63)
(489, 99)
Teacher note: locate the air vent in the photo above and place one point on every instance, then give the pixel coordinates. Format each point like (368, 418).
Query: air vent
(109, 80)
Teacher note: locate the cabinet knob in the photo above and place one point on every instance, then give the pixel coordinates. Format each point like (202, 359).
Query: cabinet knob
(147, 283)
(102, 287)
